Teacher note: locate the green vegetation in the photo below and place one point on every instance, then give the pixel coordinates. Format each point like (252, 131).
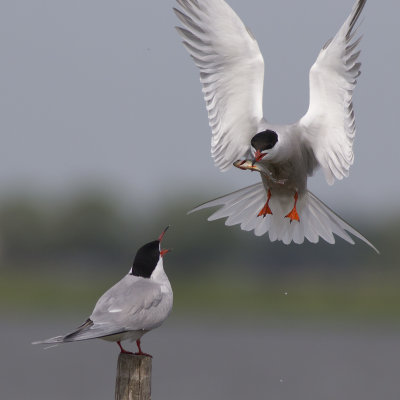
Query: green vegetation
(367, 299)
(61, 255)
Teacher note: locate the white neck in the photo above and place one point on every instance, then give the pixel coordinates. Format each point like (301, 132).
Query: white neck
(159, 274)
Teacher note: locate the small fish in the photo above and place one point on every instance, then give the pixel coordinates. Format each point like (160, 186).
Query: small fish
(252, 166)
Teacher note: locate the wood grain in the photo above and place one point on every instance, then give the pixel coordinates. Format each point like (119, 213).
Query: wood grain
(133, 380)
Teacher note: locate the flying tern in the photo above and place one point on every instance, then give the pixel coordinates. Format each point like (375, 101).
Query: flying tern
(138, 303)
(232, 76)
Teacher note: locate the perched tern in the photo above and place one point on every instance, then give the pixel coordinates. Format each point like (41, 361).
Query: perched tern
(232, 75)
(138, 303)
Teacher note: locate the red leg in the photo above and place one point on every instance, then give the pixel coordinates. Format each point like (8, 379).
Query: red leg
(140, 352)
(122, 349)
(293, 215)
(265, 210)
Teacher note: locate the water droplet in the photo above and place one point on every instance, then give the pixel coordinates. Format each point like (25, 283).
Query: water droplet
(281, 380)
(286, 293)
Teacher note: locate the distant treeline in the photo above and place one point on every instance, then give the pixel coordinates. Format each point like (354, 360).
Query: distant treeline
(93, 230)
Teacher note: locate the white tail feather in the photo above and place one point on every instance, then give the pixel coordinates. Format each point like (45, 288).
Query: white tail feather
(316, 219)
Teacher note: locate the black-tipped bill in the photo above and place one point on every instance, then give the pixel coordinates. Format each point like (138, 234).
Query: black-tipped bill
(163, 233)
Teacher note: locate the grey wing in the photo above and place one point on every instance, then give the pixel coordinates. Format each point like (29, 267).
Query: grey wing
(329, 125)
(231, 72)
(129, 305)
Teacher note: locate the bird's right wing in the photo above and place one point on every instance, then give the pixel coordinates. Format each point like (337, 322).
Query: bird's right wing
(231, 72)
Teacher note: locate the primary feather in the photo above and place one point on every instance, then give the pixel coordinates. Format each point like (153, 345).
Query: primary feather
(329, 124)
(231, 72)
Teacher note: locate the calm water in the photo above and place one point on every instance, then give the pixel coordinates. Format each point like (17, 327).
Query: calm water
(207, 358)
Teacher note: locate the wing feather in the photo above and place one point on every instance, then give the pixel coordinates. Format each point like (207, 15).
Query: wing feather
(231, 72)
(131, 304)
(329, 123)
(126, 305)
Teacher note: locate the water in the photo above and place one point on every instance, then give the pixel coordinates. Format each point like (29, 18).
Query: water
(209, 358)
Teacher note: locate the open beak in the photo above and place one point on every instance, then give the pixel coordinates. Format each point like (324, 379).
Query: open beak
(163, 233)
(258, 156)
(164, 251)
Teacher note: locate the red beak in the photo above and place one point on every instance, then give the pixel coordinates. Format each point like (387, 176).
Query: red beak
(259, 156)
(163, 233)
(165, 251)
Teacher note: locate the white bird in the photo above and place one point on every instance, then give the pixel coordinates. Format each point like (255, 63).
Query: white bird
(138, 303)
(232, 75)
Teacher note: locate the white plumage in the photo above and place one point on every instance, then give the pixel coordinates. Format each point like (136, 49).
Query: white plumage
(232, 75)
(231, 72)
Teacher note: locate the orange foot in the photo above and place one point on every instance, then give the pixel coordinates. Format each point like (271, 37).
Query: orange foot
(265, 210)
(293, 215)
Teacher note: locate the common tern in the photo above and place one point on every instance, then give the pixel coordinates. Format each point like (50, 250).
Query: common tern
(138, 303)
(232, 76)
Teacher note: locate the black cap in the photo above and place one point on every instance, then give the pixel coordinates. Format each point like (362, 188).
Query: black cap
(146, 259)
(264, 140)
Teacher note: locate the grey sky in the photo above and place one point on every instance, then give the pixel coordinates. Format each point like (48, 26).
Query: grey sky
(104, 91)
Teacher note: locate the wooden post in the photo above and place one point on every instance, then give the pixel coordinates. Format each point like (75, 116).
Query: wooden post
(133, 377)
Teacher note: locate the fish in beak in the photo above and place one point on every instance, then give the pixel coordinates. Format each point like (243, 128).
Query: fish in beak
(246, 164)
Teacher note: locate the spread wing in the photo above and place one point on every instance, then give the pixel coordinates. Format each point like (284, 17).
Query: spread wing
(329, 125)
(231, 72)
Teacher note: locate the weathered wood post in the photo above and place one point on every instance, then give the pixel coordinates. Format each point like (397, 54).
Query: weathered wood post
(133, 377)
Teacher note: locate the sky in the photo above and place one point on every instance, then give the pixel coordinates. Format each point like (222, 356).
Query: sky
(102, 93)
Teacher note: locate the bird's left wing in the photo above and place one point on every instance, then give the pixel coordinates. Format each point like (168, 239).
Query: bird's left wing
(130, 304)
(231, 72)
(328, 125)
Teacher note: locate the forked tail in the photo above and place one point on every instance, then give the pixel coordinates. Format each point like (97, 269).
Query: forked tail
(316, 219)
(88, 330)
